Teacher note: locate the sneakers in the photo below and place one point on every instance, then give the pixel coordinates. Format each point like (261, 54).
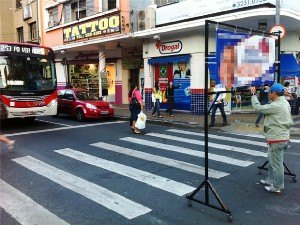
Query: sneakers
(224, 123)
(172, 115)
(266, 182)
(159, 116)
(272, 189)
(257, 125)
(153, 115)
(11, 145)
(211, 125)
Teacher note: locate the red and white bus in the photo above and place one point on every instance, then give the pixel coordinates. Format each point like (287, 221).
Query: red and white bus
(27, 80)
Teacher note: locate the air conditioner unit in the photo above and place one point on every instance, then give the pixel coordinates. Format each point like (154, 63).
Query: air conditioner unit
(146, 19)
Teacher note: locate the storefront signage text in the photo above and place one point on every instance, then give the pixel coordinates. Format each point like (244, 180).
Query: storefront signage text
(101, 26)
(170, 47)
(89, 55)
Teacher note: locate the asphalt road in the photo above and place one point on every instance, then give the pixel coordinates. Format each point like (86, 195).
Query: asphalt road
(98, 172)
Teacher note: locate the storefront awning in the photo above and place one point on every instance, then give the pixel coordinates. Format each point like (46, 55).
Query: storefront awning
(289, 66)
(169, 59)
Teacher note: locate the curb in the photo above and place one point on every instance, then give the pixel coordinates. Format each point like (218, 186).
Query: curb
(193, 125)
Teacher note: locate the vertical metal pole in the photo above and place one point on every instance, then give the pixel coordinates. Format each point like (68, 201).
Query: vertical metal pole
(278, 59)
(206, 112)
(277, 15)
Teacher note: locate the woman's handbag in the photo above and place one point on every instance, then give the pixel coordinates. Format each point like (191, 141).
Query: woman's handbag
(141, 121)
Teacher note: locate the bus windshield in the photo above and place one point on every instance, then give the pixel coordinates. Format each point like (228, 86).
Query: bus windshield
(21, 73)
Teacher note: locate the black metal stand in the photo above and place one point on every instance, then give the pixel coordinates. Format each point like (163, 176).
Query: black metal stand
(206, 183)
(262, 167)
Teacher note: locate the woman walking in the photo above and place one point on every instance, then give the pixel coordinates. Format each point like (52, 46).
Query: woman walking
(158, 97)
(135, 107)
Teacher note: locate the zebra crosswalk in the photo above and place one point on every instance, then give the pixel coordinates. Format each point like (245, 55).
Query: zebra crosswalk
(176, 144)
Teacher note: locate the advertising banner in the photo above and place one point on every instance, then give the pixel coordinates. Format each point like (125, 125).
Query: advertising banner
(182, 93)
(244, 59)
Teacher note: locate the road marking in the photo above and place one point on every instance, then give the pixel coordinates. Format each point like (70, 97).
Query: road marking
(63, 128)
(220, 137)
(61, 124)
(24, 209)
(260, 136)
(162, 160)
(98, 194)
(213, 145)
(174, 148)
(136, 174)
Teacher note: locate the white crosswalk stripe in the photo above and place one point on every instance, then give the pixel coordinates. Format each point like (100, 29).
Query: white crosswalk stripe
(96, 193)
(14, 202)
(210, 144)
(219, 137)
(139, 175)
(162, 160)
(183, 150)
(24, 209)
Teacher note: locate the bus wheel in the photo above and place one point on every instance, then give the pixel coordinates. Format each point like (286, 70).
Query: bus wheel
(79, 115)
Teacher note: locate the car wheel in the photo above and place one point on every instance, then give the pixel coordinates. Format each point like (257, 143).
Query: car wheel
(79, 115)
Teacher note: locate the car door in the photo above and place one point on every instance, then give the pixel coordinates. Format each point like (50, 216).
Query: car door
(60, 100)
(70, 102)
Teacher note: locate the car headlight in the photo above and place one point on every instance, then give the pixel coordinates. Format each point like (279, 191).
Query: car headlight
(90, 106)
(111, 106)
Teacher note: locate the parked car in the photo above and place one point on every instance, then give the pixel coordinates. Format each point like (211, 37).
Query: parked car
(77, 102)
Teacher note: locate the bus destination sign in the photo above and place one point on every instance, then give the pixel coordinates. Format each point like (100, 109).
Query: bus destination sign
(22, 49)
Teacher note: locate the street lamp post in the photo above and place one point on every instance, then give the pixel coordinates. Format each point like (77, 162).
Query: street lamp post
(277, 15)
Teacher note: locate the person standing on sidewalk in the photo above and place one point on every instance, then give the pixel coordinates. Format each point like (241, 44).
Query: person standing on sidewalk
(158, 98)
(170, 96)
(219, 103)
(263, 99)
(277, 123)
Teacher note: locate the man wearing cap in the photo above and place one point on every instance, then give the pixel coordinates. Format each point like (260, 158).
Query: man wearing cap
(277, 123)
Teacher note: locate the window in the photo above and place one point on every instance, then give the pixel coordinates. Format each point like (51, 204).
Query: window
(20, 34)
(112, 4)
(78, 11)
(165, 2)
(53, 17)
(18, 3)
(33, 31)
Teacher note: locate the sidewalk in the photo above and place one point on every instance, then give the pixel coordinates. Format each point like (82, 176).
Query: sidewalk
(239, 121)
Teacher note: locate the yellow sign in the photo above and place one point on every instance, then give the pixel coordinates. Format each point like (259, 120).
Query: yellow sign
(96, 27)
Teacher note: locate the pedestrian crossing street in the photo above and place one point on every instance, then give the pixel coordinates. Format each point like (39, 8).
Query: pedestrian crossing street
(177, 143)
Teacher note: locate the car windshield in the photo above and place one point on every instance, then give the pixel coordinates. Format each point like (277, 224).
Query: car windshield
(82, 95)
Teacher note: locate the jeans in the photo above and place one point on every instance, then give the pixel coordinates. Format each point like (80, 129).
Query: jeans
(171, 104)
(156, 108)
(213, 112)
(276, 168)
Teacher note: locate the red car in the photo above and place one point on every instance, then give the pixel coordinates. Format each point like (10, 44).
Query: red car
(76, 102)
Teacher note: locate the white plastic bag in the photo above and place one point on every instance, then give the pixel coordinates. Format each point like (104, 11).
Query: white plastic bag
(153, 98)
(141, 121)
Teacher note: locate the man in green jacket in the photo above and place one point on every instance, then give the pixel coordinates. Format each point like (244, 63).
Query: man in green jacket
(277, 123)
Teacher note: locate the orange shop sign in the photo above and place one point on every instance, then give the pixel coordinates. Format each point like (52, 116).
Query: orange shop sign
(97, 27)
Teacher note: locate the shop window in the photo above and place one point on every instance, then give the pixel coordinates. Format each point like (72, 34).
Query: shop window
(33, 31)
(20, 32)
(53, 17)
(165, 2)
